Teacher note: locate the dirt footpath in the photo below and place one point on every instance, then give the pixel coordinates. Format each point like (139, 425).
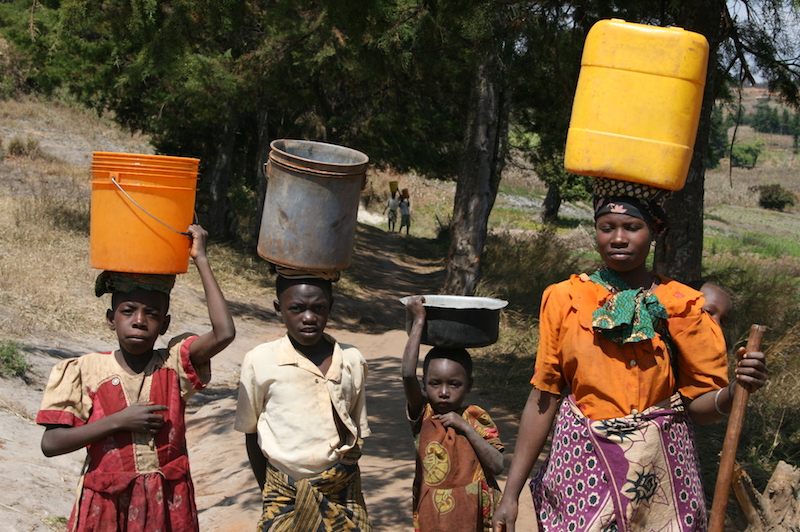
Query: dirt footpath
(41, 490)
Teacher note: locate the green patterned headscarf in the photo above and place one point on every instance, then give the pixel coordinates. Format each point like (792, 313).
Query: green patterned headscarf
(630, 314)
(110, 282)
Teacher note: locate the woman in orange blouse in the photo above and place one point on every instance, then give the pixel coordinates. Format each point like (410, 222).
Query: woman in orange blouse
(639, 359)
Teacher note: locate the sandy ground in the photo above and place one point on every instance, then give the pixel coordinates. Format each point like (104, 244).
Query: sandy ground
(226, 491)
(227, 496)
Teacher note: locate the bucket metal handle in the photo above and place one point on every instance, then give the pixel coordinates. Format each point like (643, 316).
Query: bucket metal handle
(114, 176)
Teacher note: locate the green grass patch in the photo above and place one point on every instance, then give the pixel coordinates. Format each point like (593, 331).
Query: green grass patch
(713, 217)
(426, 220)
(521, 191)
(514, 219)
(56, 524)
(13, 362)
(747, 243)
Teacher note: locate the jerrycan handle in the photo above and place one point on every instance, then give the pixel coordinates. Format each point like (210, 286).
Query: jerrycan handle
(115, 176)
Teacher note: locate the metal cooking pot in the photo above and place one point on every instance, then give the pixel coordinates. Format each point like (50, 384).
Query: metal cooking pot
(459, 321)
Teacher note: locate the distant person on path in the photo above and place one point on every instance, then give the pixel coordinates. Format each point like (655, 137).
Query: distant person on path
(641, 362)
(127, 406)
(405, 212)
(302, 407)
(392, 204)
(459, 451)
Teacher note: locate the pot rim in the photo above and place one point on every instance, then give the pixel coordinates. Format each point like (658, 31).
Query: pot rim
(452, 302)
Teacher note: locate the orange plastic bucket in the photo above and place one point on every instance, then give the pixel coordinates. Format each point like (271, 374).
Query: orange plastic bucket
(136, 159)
(139, 218)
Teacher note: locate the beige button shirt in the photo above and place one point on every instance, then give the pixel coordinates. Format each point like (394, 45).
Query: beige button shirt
(291, 405)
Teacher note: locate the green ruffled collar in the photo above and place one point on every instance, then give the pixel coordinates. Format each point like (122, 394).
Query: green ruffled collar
(630, 314)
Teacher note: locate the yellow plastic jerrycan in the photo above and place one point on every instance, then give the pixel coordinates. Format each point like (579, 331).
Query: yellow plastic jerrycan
(637, 104)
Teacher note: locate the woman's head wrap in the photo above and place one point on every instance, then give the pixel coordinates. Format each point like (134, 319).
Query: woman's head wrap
(109, 282)
(634, 199)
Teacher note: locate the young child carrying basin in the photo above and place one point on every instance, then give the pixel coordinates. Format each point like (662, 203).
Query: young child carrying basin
(459, 451)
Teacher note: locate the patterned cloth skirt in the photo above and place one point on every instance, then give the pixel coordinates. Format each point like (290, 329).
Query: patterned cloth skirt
(635, 473)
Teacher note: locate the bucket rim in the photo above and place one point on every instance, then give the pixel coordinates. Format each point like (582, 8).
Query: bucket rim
(357, 172)
(137, 167)
(299, 265)
(150, 173)
(142, 185)
(139, 161)
(453, 302)
(362, 157)
(116, 164)
(124, 155)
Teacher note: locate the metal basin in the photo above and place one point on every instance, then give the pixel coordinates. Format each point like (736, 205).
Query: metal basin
(459, 321)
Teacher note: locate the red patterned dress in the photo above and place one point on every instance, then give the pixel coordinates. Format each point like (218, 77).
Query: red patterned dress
(132, 482)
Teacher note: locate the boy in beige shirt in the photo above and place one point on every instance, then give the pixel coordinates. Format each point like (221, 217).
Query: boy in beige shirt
(302, 407)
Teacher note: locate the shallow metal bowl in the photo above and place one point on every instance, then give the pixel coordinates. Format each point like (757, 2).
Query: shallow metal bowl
(459, 321)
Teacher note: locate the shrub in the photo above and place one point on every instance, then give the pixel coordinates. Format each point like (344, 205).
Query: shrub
(745, 155)
(12, 359)
(25, 147)
(14, 70)
(775, 197)
(519, 268)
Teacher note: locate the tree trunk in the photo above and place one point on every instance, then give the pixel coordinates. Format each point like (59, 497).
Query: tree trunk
(482, 160)
(679, 253)
(551, 204)
(219, 215)
(262, 155)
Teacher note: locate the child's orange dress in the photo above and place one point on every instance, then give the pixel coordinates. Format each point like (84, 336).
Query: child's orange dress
(133, 481)
(451, 489)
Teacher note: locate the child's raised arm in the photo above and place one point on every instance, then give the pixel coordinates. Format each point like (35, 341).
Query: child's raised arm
(414, 396)
(222, 330)
(139, 417)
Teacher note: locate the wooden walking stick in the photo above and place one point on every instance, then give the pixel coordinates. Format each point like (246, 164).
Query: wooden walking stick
(728, 455)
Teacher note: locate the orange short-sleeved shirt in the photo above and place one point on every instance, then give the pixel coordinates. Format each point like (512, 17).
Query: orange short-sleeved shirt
(610, 380)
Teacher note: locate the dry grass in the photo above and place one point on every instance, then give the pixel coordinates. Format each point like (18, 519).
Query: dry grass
(503, 370)
(64, 131)
(44, 270)
(725, 188)
(545, 258)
